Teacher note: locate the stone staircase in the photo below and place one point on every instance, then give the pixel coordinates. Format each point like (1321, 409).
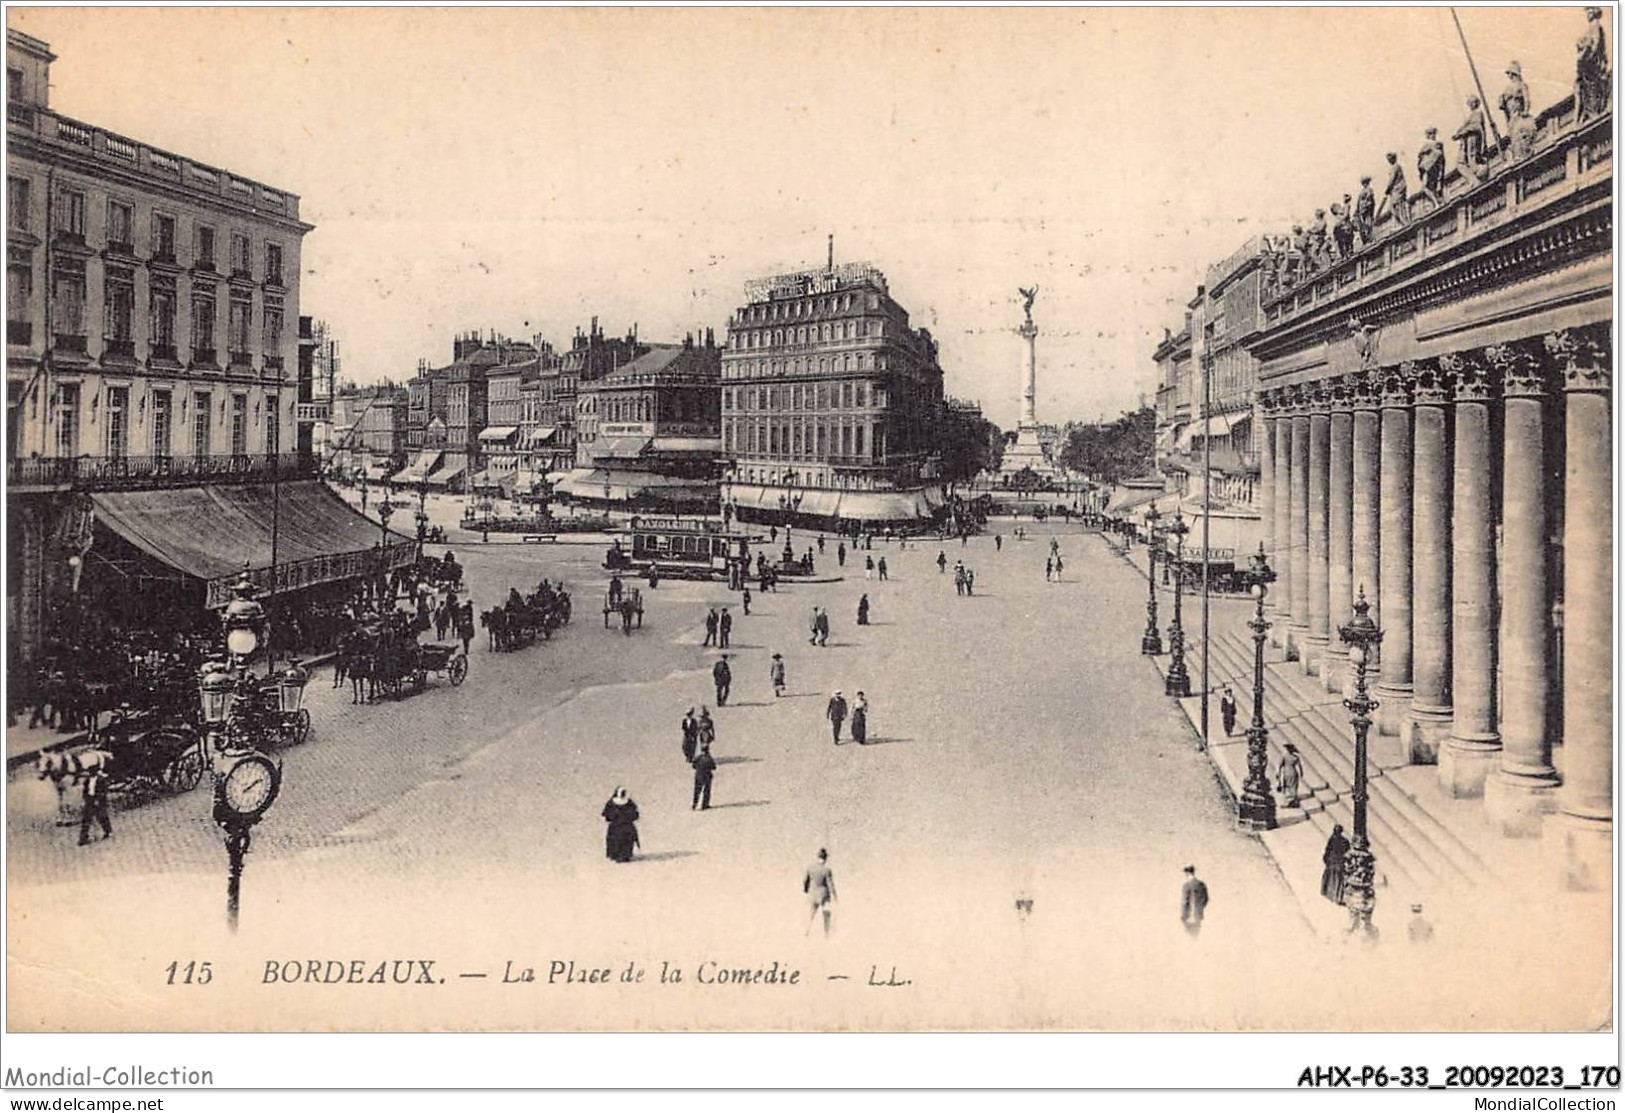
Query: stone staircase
(1418, 856)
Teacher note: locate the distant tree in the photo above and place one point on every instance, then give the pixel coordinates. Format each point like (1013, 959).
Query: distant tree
(970, 444)
(1113, 451)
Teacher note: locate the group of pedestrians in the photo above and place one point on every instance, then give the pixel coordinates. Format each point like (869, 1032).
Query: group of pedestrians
(837, 711)
(873, 567)
(719, 625)
(964, 579)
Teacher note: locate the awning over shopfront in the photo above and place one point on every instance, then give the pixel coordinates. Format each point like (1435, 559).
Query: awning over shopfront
(376, 475)
(209, 532)
(1221, 424)
(535, 438)
(1182, 439)
(688, 444)
(885, 506)
(1126, 501)
(418, 470)
(853, 506)
(491, 480)
(451, 470)
(613, 485)
(498, 434)
(624, 448)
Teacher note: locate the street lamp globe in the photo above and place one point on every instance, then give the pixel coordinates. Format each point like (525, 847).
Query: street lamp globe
(244, 618)
(214, 689)
(291, 687)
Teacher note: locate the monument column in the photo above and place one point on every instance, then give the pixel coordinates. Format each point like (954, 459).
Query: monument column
(1524, 787)
(1584, 825)
(1282, 563)
(1339, 535)
(1319, 467)
(1474, 745)
(1430, 535)
(1298, 628)
(1394, 553)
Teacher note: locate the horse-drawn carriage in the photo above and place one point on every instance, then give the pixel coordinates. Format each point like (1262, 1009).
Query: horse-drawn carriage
(385, 655)
(519, 621)
(137, 756)
(627, 605)
(444, 574)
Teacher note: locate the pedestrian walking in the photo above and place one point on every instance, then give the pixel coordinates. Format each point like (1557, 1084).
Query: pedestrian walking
(998, 543)
(1334, 863)
(819, 885)
(942, 561)
(1418, 930)
(812, 627)
(691, 736)
(465, 626)
(1049, 569)
(860, 720)
(616, 589)
(840, 554)
(621, 838)
(868, 567)
(725, 626)
(959, 579)
(881, 568)
(964, 538)
(93, 794)
(820, 544)
(1192, 902)
(823, 627)
(1227, 711)
(705, 770)
(863, 611)
(836, 714)
(723, 676)
(970, 581)
(745, 599)
(711, 621)
(1060, 566)
(775, 673)
(705, 731)
(441, 618)
(1289, 776)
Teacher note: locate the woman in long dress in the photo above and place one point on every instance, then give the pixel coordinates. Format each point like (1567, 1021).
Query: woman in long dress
(1289, 776)
(621, 813)
(1332, 877)
(860, 720)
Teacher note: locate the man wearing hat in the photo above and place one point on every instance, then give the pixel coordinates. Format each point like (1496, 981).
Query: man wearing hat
(775, 673)
(1591, 69)
(723, 676)
(705, 769)
(1192, 902)
(836, 714)
(1430, 165)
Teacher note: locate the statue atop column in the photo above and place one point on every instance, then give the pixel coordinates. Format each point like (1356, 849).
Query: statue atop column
(1028, 297)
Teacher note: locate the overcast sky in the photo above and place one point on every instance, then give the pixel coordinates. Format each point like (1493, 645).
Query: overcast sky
(489, 168)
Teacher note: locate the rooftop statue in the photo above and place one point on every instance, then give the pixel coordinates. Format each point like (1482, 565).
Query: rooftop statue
(1591, 84)
(1028, 297)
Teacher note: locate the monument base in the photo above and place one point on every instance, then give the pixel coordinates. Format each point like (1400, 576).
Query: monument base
(1031, 452)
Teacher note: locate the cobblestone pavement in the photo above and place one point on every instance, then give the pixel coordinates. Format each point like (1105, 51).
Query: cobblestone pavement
(1020, 750)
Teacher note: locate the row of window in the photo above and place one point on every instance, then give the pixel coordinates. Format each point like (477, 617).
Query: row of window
(805, 439)
(804, 396)
(681, 406)
(69, 304)
(807, 334)
(806, 307)
(116, 422)
(822, 365)
(69, 217)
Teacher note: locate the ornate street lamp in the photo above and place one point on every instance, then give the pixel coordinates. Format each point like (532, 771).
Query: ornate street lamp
(1151, 641)
(385, 510)
(243, 619)
(1256, 811)
(1178, 681)
(422, 515)
(1361, 635)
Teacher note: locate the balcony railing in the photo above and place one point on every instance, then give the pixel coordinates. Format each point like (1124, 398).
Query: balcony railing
(20, 114)
(103, 473)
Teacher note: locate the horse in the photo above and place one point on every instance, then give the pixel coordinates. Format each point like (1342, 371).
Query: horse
(495, 622)
(64, 768)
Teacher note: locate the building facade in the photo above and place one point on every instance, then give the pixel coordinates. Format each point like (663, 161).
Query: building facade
(1437, 411)
(152, 362)
(830, 402)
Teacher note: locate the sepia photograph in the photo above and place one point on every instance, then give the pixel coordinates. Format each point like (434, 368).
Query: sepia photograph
(810, 520)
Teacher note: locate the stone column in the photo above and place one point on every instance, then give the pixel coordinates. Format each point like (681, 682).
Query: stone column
(1524, 787)
(1298, 626)
(1430, 556)
(1264, 423)
(1283, 523)
(1339, 535)
(1584, 825)
(1474, 746)
(1319, 466)
(1394, 553)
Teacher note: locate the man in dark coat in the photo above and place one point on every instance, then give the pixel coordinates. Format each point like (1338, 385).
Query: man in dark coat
(1192, 902)
(706, 731)
(691, 734)
(725, 625)
(723, 676)
(836, 714)
(823, 627)
(94, 795)
(1227, 711)
(1334, 863)
(840, 554)
(705, 769)
(711, 621)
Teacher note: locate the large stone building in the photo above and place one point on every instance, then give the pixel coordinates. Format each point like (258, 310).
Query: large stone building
(830, 403)
(591, 356)
(649, 434)
(153, 375)
(1437, 426)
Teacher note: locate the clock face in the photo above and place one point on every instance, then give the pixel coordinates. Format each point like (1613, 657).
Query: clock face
(251, 785)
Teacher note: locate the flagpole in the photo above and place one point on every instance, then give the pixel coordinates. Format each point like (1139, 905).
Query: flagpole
(1483, 101)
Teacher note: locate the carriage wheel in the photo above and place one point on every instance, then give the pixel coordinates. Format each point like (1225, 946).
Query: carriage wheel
(184, 773)
(301, 728)
(458, 670)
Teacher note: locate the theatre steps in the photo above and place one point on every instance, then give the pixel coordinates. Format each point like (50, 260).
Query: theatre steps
(1417, 854)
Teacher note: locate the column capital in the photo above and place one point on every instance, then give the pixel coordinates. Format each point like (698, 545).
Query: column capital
(1519, 370)
(1318, 397)
(1471, 376)
(1432, 381)
(1365, 391)
(1583, 357)
(1268, 405)
(1397, 386)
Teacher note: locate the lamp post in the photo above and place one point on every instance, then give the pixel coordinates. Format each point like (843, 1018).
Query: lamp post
(1178, 681)
(1151, 641)
(246, 781)
(1256, 811)
(1361, 635)
(422, 518)
(385, 510)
